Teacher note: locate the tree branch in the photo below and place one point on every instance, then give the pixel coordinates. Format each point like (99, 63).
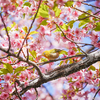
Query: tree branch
(24, 60)
(90, 5)
(6, 32)
(92, 15)
(29, 28)
(60, 59)
(63, 71)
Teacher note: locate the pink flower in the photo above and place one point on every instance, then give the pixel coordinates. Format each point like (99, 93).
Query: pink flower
(60, 2)
(78, 84)
(94, 37)
(4, 95)
(7, 77)
(78, 3)
(71, 52)
(22, 77)
(32, 46)
(75, 14)
(72, 93)
(97, 3)
(45, 30)
(16, 35)
(93, 90)
(78, 32)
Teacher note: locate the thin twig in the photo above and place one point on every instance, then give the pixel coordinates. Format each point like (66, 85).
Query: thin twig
(29, 28)
(15, 62)
(36, 94)
(96, 94)
(6, 32)
(27, 51)
(83, 17)
(23, 53)
(60, 59)
(92, 15)
(70, 39)
(90, 5)
(24, 60)
(16, 91)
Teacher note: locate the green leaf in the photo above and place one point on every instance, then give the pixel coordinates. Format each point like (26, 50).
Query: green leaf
(44, 7)
(97, 27)
(12, 25)
(61, 62)
(8, 28)
(8, 67)
(55, 5)
(71, 23)
(31, 58)
(82, 16)
(44, 59)
(33, 32)
(57, 30)
(33, 70)
(3, 71)
(70, 80)
(63, 52)
(19, 69)
(43, 13)
(57, 11)
(65, 26)
(44, 22)
(92, 68)
(25, 29)
(83, 22)
(69, 3)
(33, 53)
(27, 4)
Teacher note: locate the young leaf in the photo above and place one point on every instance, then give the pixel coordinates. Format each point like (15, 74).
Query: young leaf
(33, 32)
(71, 23)
(97, 27)
(65, 26)
(25, 29)
(27, 4)
(92, 68)
(3, 71)
(19, 69)
(61, 62)
(43, 13)
(8, 67)
(57, 11)
(69, 3)
(33, 53)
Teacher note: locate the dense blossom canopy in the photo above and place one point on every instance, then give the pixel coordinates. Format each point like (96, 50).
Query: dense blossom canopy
(28, 28)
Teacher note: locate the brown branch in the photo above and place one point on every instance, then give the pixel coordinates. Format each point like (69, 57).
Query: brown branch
(96, 94)
(29, 28)
(92, 15)
(27, 51)
(6, 32)
(83, 17)
(63, 70)
(24, 60)
(36, 94)
(16, 91)
(60, 59)
(90, 5)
